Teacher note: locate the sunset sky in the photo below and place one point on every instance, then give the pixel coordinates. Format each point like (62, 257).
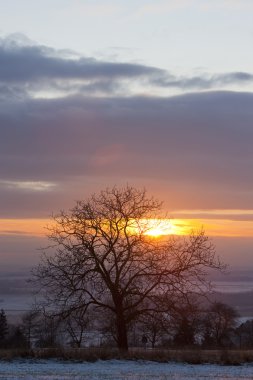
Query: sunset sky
(156, 94)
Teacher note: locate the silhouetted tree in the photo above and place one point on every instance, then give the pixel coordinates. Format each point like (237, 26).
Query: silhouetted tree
(3, 328)
(218, 323)
(186, 321)
(76, 324)
(31, 322)
(103, 257)
(185, 333)
(245, 334)
(48, 331)
(107, 327)
(17, 339)
(154, 326)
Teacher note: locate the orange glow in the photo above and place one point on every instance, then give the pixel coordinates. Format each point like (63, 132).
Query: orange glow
(157, 227)
(151, 227)
(215, 227)
(33, 227)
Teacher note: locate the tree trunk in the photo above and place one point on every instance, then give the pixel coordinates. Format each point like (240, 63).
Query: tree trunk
(153, 340)
(121, 332)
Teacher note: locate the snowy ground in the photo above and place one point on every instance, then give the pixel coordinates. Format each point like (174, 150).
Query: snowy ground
(119, 370)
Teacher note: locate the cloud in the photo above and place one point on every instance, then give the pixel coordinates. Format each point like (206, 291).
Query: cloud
(36, 67)
(27, 69)
(205, 81)
(37, 62)
(226, 215)
(27, 185)
(194, 150)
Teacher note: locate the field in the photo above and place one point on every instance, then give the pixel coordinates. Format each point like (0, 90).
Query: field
(119, 370)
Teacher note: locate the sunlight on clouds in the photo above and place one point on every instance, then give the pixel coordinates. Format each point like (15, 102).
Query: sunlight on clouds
(215, 212)
(212, 227)
(28, 185)
(49, 94)
(149, 227)
(215, 227)
(33, 227)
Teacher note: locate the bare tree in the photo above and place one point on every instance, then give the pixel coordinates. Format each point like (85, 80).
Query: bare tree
(76, 324)
(31, 321)
(154, 326)
(219, 321)
(48, 332)
(186, 321)
(101, 255)
(245, 334)
(4, 328)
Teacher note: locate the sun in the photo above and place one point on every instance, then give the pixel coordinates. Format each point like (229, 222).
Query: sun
(157, 227)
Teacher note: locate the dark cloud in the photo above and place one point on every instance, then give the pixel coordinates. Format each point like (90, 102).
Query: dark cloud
(27, 63)
(26, 68)
(193, 149)
(30, 65)
(196, 148)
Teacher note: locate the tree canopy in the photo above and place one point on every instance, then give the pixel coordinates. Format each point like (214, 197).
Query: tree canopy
(101, 256)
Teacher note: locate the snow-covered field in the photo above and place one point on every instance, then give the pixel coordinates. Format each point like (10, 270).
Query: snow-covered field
(119, 370)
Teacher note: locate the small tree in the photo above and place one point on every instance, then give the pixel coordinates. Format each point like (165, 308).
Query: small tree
(76, 324)
(186, 322)
(102, 255)
(219, 322)
(31, 322)
(245, 334)
(17, 339)
(3, 327)
(47, 332)
(153, 326)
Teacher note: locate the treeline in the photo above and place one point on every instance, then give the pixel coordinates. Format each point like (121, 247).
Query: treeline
(216, 327)
(11, 336)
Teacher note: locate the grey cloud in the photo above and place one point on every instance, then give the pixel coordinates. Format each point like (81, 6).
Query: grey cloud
(203, 81)
(196, 148)
(26, 67)
(20, 64)
(30, 63)
(12, 92)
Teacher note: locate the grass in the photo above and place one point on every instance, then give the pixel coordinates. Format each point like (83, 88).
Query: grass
(194, 356)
